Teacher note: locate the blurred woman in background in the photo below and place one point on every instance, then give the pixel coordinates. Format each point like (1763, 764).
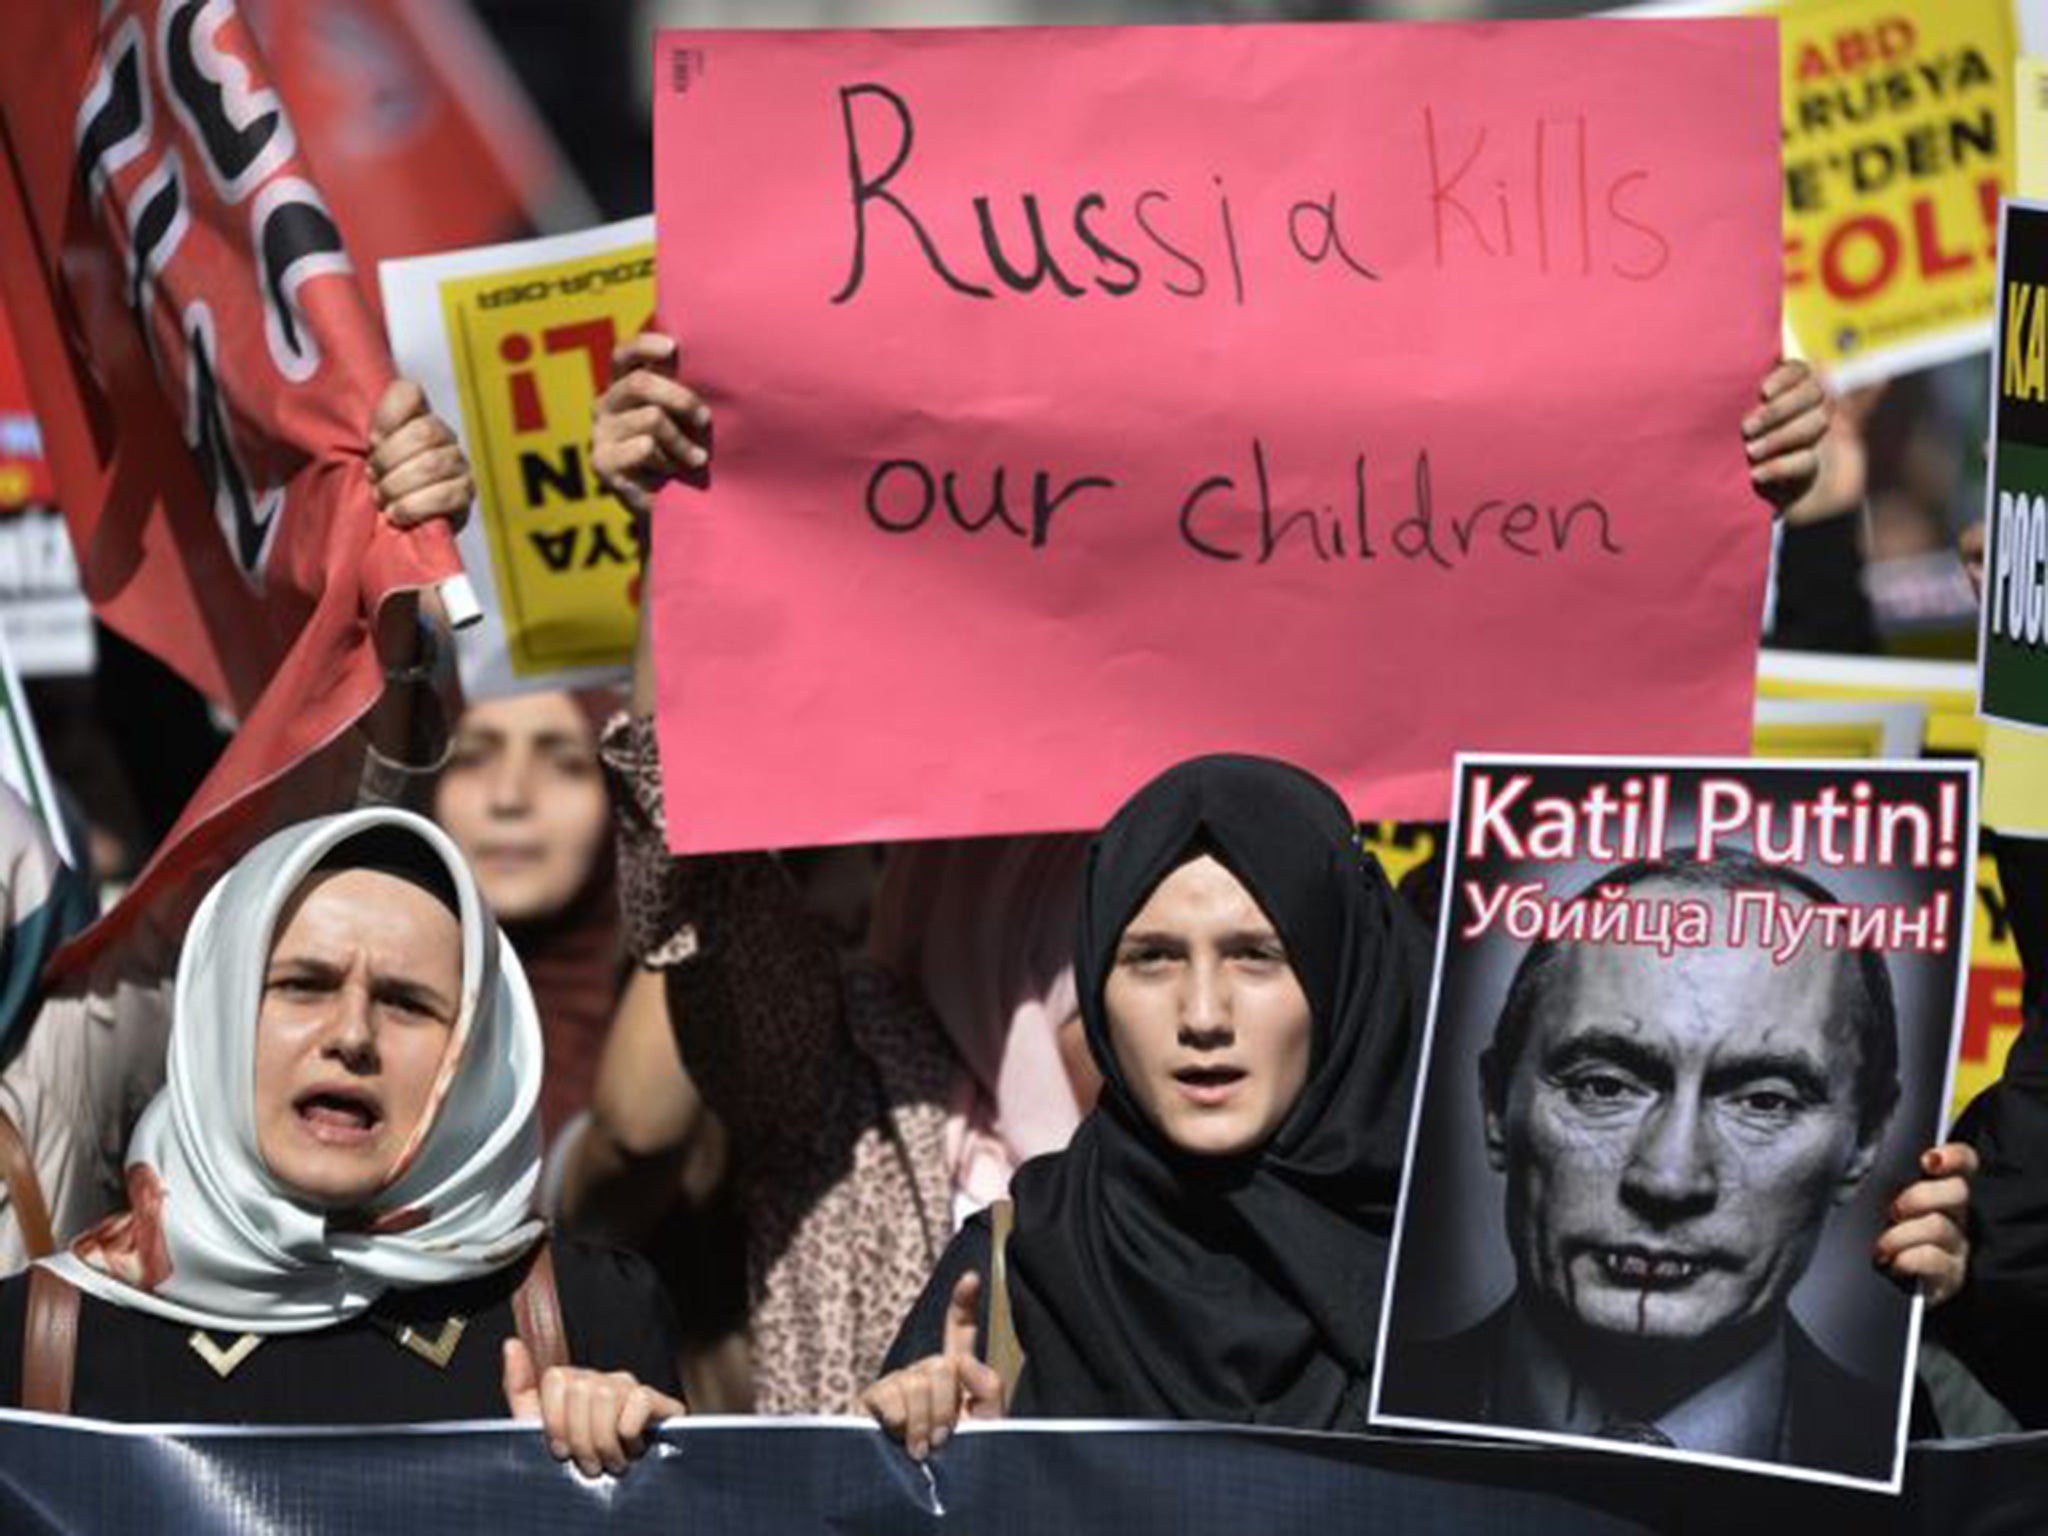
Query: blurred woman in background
(524, 797)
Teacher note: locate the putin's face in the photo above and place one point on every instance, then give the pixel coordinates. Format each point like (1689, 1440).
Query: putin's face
(1673, 1134)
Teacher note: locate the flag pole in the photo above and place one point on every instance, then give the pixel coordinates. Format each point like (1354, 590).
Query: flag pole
(458, 601)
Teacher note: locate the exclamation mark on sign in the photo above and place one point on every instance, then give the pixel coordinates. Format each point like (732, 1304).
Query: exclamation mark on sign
(527, 414)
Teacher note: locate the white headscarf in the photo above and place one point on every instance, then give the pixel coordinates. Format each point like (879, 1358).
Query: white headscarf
(212, 1238)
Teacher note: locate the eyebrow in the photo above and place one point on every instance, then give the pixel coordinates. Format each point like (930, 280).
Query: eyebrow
(1795, 1067)
(305, 966)
(569, 739)
(383, 989)
(1267, 934)
(1611, 1046)
(490, 736)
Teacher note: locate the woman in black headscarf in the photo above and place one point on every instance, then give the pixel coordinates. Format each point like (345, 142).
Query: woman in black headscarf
(1213, 1243)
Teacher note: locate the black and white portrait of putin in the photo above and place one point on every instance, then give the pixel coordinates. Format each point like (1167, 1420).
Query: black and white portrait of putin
(1673, 1131)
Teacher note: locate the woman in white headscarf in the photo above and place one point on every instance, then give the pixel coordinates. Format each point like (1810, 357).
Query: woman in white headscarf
(331, 1201)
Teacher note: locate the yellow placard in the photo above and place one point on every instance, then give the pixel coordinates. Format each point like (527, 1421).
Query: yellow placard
(2015, 780)
(531, 350)
(1948, 693)
(1899, 141)
(1789, 739)
(2030, 125)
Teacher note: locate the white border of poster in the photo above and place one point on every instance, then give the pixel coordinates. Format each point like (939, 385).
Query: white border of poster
(1880, 674)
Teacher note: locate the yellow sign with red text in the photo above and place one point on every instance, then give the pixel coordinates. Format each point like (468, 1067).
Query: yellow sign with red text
(1898, 134)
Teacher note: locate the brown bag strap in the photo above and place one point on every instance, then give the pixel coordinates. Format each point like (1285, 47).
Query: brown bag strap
(1005, 1352)
(49, 1342)
(537, 1311)
(18, 1171)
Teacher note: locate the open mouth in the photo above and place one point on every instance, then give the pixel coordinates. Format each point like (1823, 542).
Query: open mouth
(1209, 1084)
(1647, 1270)
(339, 1116)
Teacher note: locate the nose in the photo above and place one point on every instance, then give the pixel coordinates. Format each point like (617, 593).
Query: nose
(352, 1032)
(1205, 1015)
(511, 784)
(1671, 1173)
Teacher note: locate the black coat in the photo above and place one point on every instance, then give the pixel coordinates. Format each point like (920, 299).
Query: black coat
(140, 1368)
(1836, 1421)
(1998, 1326)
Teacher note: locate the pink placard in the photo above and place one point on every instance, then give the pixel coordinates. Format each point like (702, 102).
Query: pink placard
(1089, 398)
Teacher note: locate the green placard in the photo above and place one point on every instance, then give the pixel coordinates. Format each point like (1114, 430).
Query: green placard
(2013, 646)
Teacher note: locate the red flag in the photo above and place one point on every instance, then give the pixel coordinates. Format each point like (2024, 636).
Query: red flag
(204, 368)
(417, 132)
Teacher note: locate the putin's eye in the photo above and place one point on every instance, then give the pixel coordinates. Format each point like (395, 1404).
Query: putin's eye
(1769, 1107)
(1602, 1090)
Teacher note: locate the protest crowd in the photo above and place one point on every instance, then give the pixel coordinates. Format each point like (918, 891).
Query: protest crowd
(370, 1054)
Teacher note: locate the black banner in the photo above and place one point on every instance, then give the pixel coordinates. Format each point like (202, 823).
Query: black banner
(763, 1477)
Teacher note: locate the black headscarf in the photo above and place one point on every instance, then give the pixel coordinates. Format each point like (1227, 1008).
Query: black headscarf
(1149, 1282)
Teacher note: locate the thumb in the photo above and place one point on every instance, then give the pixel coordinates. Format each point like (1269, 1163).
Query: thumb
(1949, 1159)
(401, 401)
(649, 349)
(984, 1389)
(522, 1381)
(963, 1315)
